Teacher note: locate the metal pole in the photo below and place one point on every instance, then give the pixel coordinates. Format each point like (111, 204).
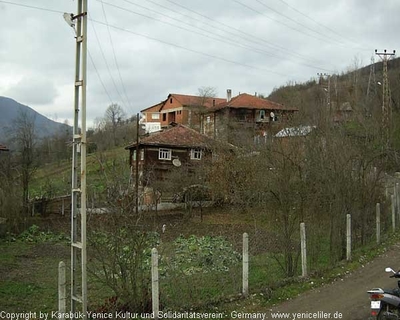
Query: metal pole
(245, 274)
(83, 159)
(75, 188)
(78, 241)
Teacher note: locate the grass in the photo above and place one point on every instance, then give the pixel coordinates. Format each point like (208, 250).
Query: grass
(55, 178)
(28, 279)
(28, 271)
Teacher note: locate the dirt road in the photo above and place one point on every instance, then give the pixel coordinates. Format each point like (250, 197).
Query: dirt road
(346, 296)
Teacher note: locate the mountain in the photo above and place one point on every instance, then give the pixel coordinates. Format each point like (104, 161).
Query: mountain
(44, 127)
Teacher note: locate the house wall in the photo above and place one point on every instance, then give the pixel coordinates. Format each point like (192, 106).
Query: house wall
(174, 111)
(169, 112)
(215, 125)
(241, 125)
(156, 168)
(148, 113)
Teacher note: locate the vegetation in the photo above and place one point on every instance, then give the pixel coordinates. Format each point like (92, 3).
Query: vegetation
(266, 190)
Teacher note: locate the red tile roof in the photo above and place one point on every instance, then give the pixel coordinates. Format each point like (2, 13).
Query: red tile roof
(247, 101)
(3, 148)
(155, 108)
(187, 100)
(177, 136)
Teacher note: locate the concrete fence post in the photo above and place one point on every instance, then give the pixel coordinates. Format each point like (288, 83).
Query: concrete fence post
(62, 297)
(154, 283)
(303, 249)
(397, 199)
(393, 205)
(245, 286)
(348, 237)
(62, 207)
(378, 223)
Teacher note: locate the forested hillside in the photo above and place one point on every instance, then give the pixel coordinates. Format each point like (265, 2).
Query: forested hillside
(359, 88)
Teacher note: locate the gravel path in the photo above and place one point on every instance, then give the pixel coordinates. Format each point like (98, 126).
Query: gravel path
(346, 297)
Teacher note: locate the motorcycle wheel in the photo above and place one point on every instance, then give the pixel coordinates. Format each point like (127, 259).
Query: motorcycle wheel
(382, 313)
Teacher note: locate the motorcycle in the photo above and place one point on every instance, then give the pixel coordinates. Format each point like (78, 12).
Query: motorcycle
(385, 304)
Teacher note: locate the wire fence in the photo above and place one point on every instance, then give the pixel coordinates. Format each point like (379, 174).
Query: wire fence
(271, 263)
(200, 272)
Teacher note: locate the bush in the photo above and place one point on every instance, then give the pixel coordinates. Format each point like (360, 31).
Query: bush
(122, 262)
(203, 254)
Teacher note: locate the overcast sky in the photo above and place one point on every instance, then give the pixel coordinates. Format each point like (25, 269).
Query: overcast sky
(155, 47)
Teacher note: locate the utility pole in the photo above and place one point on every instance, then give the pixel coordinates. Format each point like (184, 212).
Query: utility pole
(386, 106)
(137, 165)
(327, 89)
(78, 191)
(371, 79)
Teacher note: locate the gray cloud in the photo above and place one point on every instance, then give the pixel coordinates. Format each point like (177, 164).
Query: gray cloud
(36, 90)
(246, 50)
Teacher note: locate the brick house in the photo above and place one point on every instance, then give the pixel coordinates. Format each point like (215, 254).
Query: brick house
(243, 118)
(178, 108)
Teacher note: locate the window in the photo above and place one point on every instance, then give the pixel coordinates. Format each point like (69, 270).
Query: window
(195, 154)
(179, 112)
(170, 100)
(155, 116)
(241, 115)
(164, 117)
(141, 155)
(208, 119)
(262, 114)
(164, 154)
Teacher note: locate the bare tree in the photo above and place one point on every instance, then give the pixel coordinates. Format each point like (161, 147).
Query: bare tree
(24, 137)
(206, 92)
(114, 116)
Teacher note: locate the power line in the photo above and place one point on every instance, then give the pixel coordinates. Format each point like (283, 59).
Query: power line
(280, 22)
(244, 33)
(171, 24)
(235, 44)
(190, 50)
(227, 60)
(103, 55)
(98, 75)
(115, 59)
(293, 20)
(318, 23)
(95, 68)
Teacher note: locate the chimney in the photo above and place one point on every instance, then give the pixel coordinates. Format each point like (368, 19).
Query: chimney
(255, 94)
(228, 95)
